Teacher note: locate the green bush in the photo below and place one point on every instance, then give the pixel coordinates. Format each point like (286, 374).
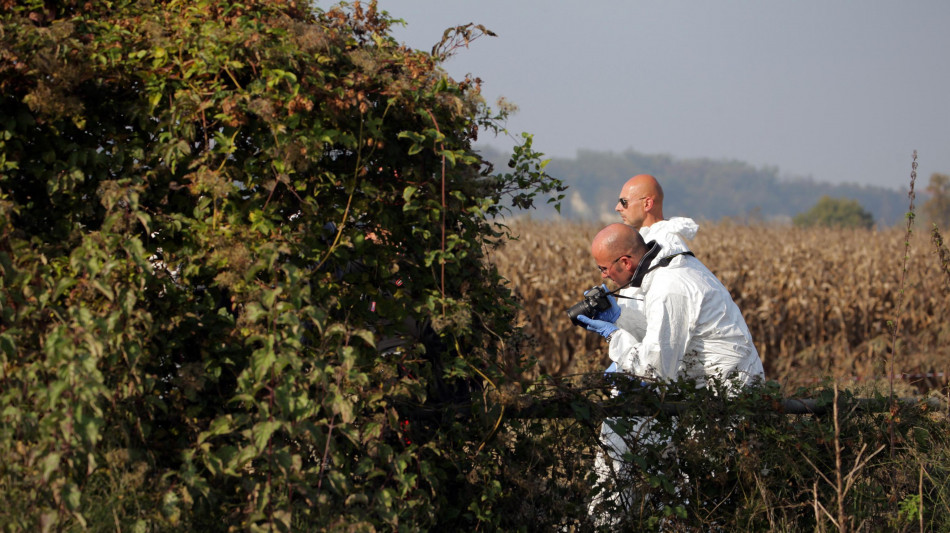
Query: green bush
(213, 215)
(835, 213)
(937, 206)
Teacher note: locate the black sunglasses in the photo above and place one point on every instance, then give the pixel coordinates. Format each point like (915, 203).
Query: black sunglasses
(624, 202)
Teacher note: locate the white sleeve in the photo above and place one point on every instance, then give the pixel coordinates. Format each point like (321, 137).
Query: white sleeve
(668, 332)
(631, 319)
(660, 354)
(623, 351)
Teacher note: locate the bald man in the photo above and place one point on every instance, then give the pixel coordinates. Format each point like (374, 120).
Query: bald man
(640, 206)
(674, 319)
(687, 325)
(641, 201)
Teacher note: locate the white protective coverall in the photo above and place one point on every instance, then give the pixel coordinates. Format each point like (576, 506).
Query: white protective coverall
(680, 321)
(682, 228)
(672, 234)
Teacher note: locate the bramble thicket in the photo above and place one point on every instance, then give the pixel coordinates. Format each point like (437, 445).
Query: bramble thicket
(212, 213)
(248, 282)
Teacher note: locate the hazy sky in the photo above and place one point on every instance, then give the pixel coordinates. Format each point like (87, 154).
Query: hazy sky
(842, 91)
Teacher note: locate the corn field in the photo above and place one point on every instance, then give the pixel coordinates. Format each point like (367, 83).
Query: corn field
(821, 303)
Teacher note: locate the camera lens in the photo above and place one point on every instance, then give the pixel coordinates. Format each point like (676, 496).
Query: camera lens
(580, 308)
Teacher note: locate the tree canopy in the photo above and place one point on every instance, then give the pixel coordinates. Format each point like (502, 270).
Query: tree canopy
(213, 217)
(937, 206)
(706, 189)
(835, 212)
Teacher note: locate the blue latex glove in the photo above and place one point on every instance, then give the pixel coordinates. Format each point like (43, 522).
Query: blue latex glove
(608, 315)
(602, 327)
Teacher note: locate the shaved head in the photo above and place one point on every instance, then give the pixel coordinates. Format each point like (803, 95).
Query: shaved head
(615, 239)
(645, 184)
(641, 201)
(617, 249)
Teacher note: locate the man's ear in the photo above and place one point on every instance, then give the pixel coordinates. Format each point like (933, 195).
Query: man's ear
(648, 203)
(631, 264)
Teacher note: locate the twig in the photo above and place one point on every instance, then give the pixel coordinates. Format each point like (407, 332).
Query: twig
(843, 483)
(943, 255)
(442, 262)
(920, 492)
(900, 297)
(839, 488)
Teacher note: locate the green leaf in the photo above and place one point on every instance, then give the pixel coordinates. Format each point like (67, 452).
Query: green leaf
(72, 496)
(408, 192)
(449, 156)
(342, 407)
(253, 312)
(261, 363)
(49, 464)
(371, 431)
(220, 426)
(262, 433)
(106, 291)
(367, 336)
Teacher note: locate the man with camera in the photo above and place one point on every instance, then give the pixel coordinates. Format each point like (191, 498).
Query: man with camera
(689, 325)
(674, 319)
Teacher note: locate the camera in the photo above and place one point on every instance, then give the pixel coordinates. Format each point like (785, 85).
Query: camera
(595, 300)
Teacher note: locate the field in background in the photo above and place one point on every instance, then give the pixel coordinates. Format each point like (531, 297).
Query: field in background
(820, 303)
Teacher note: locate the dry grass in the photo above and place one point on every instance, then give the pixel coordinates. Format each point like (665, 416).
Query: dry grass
(819, 302)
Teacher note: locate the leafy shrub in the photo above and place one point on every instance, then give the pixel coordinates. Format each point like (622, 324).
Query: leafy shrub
(213, 217)
(937, 207)
(835, 213)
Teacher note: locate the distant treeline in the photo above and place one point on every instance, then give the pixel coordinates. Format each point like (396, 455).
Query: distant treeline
(705, 189)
